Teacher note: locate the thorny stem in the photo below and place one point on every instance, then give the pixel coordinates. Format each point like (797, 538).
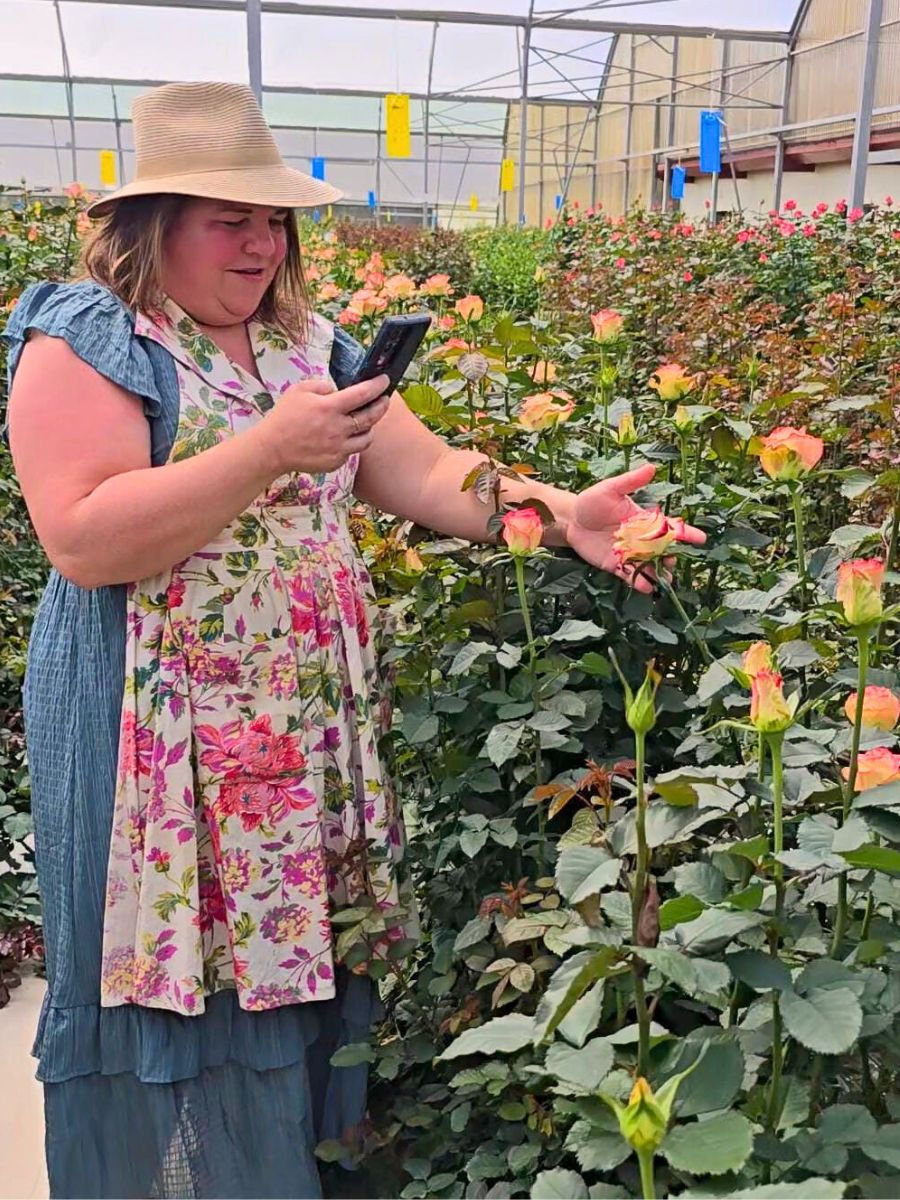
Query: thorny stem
(688, 623)
(840, 920)
(637, 901)
(535, 695)
(797, 501)
(775, 742)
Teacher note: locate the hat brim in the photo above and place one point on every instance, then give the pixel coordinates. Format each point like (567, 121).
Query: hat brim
(275, 186)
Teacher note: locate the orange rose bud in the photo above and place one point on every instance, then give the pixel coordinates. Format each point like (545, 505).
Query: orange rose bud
(769, 710)
(859, 590)
(646, 535)
(437, 285)
(607, 324)
(789, 453)
(470, 308)
(522, 531)
(671, 382)
(400, 287)
(874, 768)
(881, 708)
(758, 658)
(545, 409)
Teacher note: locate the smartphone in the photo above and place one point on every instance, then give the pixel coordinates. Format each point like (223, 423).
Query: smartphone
(393, 349)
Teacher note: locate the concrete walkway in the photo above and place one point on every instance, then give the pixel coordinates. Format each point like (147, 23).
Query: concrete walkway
(23, 1175)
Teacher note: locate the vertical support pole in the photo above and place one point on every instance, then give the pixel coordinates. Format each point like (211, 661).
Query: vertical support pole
(70, 96)
(785, 118)
(254, 47)
(670, 135)
(629, 119)
(378, 165)
(523, 111)
(594, 173)
(723, 77)
(118, 128)
(862, 132)
(541, 170)
(427, 199)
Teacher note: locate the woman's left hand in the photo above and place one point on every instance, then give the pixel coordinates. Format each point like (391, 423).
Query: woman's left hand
(600, 510)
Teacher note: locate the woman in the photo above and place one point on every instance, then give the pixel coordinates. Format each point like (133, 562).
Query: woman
(202, 701)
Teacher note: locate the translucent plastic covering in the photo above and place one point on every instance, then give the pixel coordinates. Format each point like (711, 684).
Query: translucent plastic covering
(324, 68)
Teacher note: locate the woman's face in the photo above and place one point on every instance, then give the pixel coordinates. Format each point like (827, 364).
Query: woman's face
(221, 257)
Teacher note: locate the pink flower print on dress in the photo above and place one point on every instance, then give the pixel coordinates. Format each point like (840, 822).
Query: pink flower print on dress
(307, 615)
(212, 901)
(262, 771)
(305, 872)
(282, 677)
(286, 923)
(237, 870)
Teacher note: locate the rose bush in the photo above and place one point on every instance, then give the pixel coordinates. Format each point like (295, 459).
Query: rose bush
(658, 887)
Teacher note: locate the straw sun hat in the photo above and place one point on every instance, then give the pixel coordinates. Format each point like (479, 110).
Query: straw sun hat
(211, 140)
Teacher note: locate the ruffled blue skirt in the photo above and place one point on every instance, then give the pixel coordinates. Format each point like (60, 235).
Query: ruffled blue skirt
(144, 1102)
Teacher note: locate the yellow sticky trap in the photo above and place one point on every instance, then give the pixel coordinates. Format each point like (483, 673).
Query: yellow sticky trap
(507, 175)
(398, 138)
(107, 168)
(473, 202)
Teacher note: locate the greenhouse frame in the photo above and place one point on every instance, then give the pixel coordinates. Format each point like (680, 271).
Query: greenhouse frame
(593, 102)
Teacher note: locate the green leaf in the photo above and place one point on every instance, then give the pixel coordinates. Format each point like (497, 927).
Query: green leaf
(583, 871)
(424, 401)
(874, 858)
(714, 929)
(503, 741)
(584, 1016)
(577, 631)
(758, 970)
(695, 976)
(468, 655)
(595, 664)
(849, 1124)
(571, 980)
(679, 911)
(809, 1189)
(848, 537)
(885, 1147)
(702, 880)
(587, 1067)
(827, 1020)
(472, 933)
(353, 1055)
(559, 1185)
(472, 841)
(503, 1035)
(712, 1147)
(715, 1081)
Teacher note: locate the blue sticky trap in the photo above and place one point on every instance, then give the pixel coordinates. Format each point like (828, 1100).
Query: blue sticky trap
(317, 216)
(557, 201)
(676, 187)
(371, 199)
(711, 142)
(317, 168)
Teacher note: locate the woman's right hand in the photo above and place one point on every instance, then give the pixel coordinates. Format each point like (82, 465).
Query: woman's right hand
(314, 429)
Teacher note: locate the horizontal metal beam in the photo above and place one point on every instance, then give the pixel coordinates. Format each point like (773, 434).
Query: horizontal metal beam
(471, 97)
(450, 17)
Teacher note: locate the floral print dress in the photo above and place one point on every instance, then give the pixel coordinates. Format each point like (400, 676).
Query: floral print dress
(251, 802)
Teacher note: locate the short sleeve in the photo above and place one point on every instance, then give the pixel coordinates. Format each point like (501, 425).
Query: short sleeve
(97, 327)
(346, 356)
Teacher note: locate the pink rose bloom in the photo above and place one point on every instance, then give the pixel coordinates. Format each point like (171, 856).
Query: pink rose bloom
(522, 531)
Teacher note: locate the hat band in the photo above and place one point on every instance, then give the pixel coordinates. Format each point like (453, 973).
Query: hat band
(160, 166)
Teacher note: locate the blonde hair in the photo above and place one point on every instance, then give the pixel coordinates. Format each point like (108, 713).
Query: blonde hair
(124, 252)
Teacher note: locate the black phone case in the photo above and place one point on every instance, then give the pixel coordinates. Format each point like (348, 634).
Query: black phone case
(394, 348)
